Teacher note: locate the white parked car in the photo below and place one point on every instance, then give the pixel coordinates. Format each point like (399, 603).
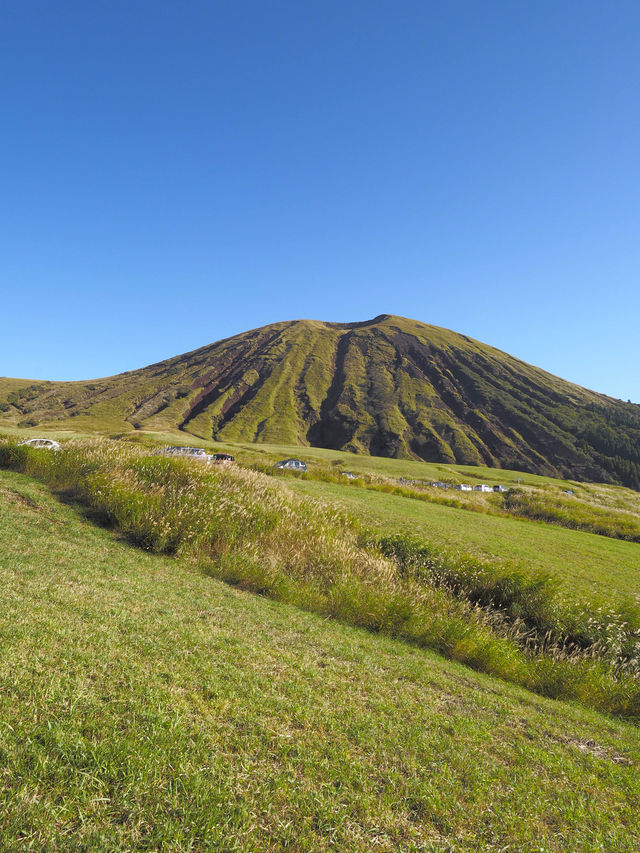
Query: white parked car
(292, 465)
(43, 443)
(188, 452)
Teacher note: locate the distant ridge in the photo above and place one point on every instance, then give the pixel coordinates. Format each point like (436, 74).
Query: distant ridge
(389, 386)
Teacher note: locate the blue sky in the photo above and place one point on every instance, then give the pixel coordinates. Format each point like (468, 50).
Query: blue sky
(176, 172)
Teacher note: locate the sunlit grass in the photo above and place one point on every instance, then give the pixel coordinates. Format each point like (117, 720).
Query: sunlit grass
(249, 530)
(146, 706)
(585, 564)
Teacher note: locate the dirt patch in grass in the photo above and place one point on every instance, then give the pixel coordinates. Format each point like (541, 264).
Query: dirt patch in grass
(15, 498)
(590, 747)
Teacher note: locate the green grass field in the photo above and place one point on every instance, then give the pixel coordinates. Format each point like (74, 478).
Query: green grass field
(146, 706)
(583, 562)
(586, 564)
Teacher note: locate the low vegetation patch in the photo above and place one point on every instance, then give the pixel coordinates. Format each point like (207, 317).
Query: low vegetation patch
(572, 513)
(249, 530)
(528, 608)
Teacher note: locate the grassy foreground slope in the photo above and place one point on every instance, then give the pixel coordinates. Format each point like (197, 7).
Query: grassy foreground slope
(146, 706)
(389, 387)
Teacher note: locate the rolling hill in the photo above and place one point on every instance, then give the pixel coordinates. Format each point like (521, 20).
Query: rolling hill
(388, 387)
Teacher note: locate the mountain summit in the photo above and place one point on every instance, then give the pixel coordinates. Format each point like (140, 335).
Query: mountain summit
(388, 386)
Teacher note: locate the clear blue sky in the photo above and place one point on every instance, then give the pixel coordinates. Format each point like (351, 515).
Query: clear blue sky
(176, 172)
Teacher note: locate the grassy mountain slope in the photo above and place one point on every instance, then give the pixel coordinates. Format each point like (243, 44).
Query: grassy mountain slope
(389, 387)
(146, 706)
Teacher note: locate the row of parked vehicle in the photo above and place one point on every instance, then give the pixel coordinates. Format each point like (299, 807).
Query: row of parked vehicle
(197, 453)
(225, 458)
(460, 487)
(201, 454)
